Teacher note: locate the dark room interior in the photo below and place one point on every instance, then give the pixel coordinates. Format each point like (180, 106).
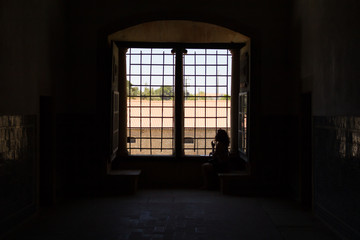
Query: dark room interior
(72, 166)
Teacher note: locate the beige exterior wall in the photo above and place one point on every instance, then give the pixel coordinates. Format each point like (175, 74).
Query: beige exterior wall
(157, 122)
(147, 138)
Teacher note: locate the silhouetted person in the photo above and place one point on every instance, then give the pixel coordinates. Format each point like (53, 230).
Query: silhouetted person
(220, 159)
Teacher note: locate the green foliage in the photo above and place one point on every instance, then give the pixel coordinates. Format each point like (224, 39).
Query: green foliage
(146, 93)
(199, 96)
(165, 92)
(132, 91)
(162, 93)
(225, 97)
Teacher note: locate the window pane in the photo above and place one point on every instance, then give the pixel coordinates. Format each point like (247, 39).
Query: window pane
(145, 131)
(190, 151)
(223, 81)
(145, 69)
(222, 71)
(150, 105)
(211, 59)
(211, 133)
(208, 109)
(168, 134)
(145, 58)
(200, 70)
(145, 143)
(151, 99)
(157, 70)
(169, 70)
(190, 58)
(211, 81)
(200, 59)
(189, 70)
(134, 112)
(189, 122)
(166, 152)
(134, 70)
(144, 152)
(222, 59)
(169, 59)
(211, 70)
(189, 132)
(168, 80)
(134, 80)
(223, 91)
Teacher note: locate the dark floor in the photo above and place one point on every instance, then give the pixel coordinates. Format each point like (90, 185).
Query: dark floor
(175, 214)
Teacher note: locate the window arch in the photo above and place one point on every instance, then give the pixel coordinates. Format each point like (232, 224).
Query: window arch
(178, 31)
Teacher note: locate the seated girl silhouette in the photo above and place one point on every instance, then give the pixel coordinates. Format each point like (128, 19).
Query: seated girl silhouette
(220, 159)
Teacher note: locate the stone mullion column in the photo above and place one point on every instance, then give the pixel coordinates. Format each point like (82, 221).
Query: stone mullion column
(122, 151)
(179, 102)
(235, 86)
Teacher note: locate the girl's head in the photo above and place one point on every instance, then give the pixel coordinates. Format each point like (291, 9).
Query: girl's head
(222, 136)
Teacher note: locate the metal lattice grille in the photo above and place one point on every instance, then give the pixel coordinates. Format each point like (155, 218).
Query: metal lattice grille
(150, 101)
(207, 83)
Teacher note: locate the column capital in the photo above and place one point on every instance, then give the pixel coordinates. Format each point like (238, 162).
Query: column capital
(234, 51)
(180, 50)
(123, 50)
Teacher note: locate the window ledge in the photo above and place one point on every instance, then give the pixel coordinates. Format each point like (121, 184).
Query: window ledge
(149, 158)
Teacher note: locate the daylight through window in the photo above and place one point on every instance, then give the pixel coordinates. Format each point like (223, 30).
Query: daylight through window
(207, 83)
(151, 99)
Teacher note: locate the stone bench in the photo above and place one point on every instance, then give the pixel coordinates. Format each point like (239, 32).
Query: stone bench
(124, 181)
(234, 182)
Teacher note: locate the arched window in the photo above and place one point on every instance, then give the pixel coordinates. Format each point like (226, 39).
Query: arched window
(176, 83)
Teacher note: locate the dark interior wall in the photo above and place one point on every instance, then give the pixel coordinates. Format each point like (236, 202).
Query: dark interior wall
(266, 23)
(48, 49)
(22, 37)
(29, 30)
(329, 53)
(328, 65)
(58, 49)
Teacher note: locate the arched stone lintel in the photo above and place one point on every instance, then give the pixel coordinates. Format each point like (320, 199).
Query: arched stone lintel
(178, 31)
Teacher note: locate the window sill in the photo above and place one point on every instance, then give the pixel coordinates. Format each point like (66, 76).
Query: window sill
(149, 158)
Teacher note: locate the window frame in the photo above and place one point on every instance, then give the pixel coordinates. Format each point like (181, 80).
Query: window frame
(145, 59)
(227, 46)
(243, 124)
(216, 64)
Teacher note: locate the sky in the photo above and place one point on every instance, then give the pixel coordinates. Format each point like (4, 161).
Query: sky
(158, 69)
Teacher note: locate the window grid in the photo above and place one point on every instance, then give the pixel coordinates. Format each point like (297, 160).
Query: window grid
(206, 96)
(148, 103)
(209, 101)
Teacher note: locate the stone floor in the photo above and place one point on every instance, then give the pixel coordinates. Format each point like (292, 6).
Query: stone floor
(173, 215)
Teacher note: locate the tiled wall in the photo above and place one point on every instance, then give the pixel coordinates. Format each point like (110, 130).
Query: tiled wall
(337, 172)
(17, 169)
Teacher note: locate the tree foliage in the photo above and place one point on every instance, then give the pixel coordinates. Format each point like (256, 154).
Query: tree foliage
(132, 91)
(162, 93)
(225, 97)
